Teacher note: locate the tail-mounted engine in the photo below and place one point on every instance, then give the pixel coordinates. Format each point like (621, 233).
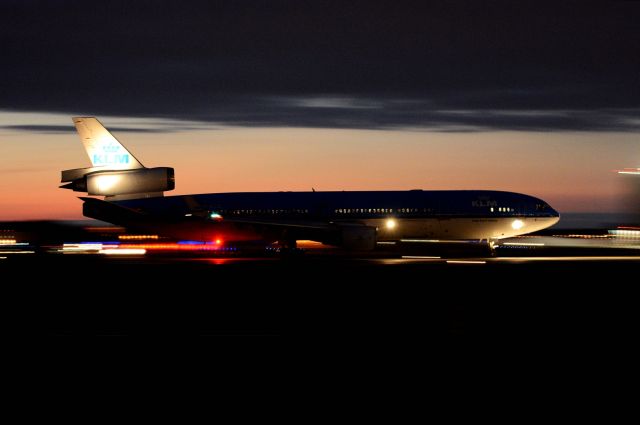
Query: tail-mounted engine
(111, 183)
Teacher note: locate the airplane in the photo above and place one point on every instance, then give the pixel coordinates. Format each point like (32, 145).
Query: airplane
(356, 220)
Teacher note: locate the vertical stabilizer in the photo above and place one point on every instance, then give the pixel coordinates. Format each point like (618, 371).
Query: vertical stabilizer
(103, 149)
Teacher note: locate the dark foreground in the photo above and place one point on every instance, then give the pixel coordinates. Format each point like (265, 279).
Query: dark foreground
(324, 296)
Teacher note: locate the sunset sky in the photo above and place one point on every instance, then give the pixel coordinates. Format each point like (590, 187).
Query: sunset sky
(275, 95)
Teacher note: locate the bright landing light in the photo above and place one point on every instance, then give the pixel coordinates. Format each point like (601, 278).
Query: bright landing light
(517, 224)
(391, 224)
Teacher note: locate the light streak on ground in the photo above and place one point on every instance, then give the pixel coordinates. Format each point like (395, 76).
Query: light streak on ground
(621, 238)
(70, 248)
(445, 241)
(522, 243)
(99, 247)
(581, 258)
(507, 260)
(635, 171)
(137, 237)
(420, 240)
(121, 251)
(625, 233)
(466, 262)
(175, 246)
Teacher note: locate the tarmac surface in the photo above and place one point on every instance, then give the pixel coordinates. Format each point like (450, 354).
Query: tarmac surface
(336, 295)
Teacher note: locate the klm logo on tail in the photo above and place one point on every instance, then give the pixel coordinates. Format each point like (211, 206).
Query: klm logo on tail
(102, 148)
(110, 155)
(111, 147)
(109, 159)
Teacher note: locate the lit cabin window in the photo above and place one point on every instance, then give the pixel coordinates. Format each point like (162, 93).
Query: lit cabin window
(491, 209)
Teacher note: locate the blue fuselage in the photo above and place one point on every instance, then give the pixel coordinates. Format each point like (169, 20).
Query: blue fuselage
(352, 205)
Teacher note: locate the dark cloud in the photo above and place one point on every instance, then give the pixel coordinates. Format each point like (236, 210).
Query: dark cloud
(36, 128)
(454, 66)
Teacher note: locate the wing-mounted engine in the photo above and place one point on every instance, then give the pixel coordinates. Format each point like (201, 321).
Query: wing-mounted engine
(352, 236)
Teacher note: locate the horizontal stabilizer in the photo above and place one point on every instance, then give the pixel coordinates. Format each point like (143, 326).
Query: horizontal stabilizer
(109, 212)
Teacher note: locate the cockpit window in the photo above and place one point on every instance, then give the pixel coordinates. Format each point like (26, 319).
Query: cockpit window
(542, 207)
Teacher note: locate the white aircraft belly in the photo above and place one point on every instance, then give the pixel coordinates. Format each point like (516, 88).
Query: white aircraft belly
(459, 228)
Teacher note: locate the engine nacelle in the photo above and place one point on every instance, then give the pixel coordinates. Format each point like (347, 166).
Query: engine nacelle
(359, 237)
(125, 182)
(354, 237)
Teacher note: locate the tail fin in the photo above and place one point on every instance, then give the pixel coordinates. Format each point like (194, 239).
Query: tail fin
(116, 173)
(103, 149)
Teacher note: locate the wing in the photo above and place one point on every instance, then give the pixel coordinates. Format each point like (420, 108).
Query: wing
(202, 227)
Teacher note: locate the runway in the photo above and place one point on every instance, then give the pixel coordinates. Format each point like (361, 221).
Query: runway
(320, 295)
(539, 286)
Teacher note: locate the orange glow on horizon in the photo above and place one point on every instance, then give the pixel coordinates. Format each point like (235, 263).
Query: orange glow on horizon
(546, 165)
